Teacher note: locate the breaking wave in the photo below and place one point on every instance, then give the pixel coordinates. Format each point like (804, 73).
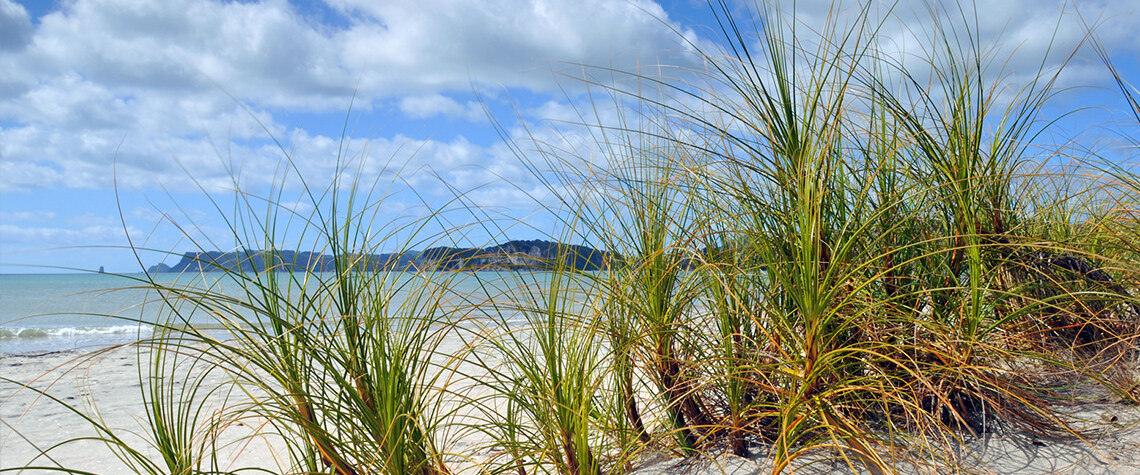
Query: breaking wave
(73, 332)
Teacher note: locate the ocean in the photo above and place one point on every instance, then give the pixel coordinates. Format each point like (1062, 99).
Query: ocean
(42, 313)
(55, 312)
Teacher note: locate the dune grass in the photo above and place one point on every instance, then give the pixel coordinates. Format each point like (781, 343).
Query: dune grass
(808, 263)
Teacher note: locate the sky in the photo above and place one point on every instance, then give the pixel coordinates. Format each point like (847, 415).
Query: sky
(130, 123)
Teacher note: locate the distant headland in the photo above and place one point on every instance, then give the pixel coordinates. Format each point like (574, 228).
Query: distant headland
(511, 255)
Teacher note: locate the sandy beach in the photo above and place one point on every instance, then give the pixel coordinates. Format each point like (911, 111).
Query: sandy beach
(109, 381)
(104, 385)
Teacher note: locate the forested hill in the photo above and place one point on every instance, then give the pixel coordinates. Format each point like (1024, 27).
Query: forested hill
(512, 255)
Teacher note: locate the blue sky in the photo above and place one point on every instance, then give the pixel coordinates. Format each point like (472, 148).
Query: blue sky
(116, 114)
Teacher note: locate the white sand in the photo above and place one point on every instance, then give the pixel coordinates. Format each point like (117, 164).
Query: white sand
(111, 382)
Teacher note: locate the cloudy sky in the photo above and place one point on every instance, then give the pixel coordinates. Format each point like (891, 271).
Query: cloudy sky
(121, 117)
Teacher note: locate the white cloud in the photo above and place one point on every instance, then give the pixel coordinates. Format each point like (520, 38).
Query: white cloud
(15, 26)
(151, 74)
(41, 157)
(446, 45)
(265, 52)
(10, 216)
(44, 236)
(262, 51)
(427, 106)
(142, 87)
(1018, 38)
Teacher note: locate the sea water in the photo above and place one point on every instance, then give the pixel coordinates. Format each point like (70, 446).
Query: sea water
(57, 312)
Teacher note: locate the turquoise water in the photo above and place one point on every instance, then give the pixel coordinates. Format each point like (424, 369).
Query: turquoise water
(53, 312)
(56, 312)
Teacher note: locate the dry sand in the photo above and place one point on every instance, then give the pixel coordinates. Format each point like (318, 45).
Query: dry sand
(110, 381)
(105, 385)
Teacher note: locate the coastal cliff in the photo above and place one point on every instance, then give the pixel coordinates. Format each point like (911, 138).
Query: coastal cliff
(512, 255)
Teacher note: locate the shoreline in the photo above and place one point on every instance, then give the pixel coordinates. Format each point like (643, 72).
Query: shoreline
(79, 344)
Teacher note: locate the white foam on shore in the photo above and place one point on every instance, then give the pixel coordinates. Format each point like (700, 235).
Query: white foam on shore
(72, 332)
(20, 340)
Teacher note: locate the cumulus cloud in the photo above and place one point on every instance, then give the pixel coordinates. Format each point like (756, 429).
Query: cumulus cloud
(422, 107)
(1018, 39)
(157, 76)
(43, 236)
(15, 26)
(10, 216)
(448, 44)
(267, 53)
(144, 87)
(263, 51)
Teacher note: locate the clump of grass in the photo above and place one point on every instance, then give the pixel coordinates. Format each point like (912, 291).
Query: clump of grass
(343, 366)
(543, 359)
(872, 265)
